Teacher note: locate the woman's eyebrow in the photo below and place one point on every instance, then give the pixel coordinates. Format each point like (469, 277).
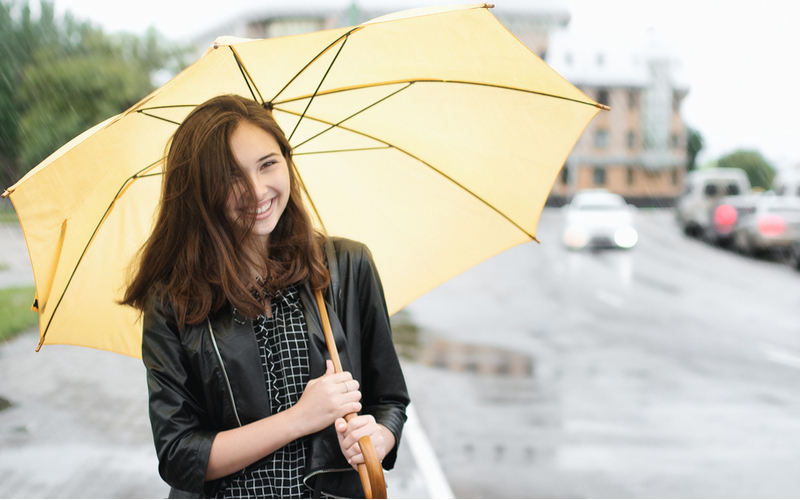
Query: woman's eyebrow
(266, 157)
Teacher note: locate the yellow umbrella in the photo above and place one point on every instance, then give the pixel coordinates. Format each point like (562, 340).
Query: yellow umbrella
(434, 136)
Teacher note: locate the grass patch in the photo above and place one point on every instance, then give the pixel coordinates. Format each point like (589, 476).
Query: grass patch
(15, 311)
(4, 266)
(8, 215)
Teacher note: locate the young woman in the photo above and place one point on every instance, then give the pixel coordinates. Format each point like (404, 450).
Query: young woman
(243, 398)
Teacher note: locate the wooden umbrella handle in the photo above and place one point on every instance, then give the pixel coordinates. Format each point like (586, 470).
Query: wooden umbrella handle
(371, 471)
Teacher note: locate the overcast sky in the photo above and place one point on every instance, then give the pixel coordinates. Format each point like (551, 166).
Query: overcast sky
(740, 59)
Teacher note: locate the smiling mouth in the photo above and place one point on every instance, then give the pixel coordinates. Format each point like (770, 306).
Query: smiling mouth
(262, 209)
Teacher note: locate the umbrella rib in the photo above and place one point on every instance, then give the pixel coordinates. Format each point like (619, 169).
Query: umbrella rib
(157, 117)
(465, 189)
(314, 59)
(401, 150)
(169, 106)
(122, 189)
(310, 199)
(353, 115)
(427, 80)
(246, 75)
(340, 151)
(296, 125)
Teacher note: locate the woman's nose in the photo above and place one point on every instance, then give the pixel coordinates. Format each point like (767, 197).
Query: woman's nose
(260, 187)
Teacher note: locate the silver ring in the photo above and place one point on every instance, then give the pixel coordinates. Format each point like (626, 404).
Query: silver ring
(347, 386)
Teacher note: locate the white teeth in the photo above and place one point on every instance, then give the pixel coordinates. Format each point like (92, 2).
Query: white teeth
(263, 209)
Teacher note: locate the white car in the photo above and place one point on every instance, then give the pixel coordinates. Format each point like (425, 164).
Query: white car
(599, 219)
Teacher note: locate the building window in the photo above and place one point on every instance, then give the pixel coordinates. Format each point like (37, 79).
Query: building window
(630, 176)
(564, 175)
(601, 139)
(631, 139)
(631, 99)
(599, 176)
(602, 97)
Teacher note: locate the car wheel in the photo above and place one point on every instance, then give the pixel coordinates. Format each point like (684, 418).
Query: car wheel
(794, 256)
(742, 245)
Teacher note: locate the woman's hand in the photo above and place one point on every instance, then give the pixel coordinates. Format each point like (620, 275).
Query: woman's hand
(363, 425)
(327, 398)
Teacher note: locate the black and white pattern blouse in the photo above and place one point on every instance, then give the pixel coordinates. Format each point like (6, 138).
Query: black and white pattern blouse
(282, 340)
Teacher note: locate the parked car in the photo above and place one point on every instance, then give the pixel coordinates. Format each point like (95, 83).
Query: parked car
(598, 219)
(726, 214)
(787, 183)
(770, 224)
(695, 207)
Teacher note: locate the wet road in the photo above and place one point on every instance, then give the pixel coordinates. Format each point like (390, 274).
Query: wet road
(672, 370)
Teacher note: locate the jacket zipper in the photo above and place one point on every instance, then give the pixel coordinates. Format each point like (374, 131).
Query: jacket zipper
(224, 371)
(324, 471)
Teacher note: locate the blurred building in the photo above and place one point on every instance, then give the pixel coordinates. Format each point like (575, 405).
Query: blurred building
(531, 25)
(638, 149)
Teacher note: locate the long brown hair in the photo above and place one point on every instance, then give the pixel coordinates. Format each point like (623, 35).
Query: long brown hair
(196, 259)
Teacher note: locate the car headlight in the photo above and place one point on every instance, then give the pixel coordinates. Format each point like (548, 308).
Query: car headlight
(576, 237)
(626, 237)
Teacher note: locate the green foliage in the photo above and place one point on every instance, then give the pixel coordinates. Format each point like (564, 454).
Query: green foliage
(15, 311)
(59, 77)
(694, 143)
(8, 216)
(759, 171)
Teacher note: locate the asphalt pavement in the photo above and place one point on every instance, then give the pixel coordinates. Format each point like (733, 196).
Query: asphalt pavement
(668, 371)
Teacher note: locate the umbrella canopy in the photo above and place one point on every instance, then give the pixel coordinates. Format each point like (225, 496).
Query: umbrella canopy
(434, 136)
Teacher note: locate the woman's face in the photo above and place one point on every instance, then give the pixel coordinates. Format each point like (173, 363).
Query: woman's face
(266, 169)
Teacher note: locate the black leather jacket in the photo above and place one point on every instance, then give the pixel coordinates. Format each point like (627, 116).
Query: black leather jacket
(207, 378)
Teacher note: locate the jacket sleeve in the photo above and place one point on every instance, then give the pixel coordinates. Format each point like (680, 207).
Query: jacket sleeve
(384, 394)
(177, 416)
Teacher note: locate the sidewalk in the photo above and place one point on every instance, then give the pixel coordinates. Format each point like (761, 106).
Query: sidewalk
(15, 266)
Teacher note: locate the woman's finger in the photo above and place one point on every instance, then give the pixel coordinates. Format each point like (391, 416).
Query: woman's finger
(349, 386)
(351, 437)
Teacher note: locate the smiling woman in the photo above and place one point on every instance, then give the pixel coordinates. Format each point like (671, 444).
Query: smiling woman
(243, 400)
(266, 170)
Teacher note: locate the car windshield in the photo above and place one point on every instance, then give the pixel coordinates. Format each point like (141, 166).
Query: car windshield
(598, 206)
(600, 203)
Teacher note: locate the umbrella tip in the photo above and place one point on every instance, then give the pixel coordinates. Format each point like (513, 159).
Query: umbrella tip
(603, 107)
(6, 193)
(489, 5)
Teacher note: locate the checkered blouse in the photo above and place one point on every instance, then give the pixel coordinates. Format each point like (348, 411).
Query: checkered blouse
(282, 340)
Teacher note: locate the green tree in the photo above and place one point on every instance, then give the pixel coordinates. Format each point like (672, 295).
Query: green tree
(694, 143)
(59, 77)
(759, 171)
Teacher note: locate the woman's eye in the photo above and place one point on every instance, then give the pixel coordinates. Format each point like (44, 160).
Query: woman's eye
(268, 164)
